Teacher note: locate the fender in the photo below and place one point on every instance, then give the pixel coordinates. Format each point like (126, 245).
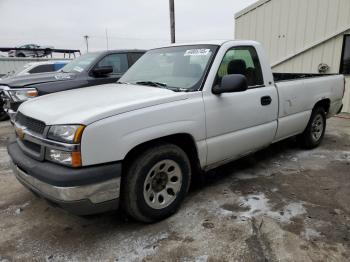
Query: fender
(110, 139)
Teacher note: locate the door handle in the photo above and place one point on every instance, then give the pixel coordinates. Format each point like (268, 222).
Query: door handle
(266, 100)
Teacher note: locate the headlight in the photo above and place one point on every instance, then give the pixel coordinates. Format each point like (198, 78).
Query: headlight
(70, 134)
(21, 95)
(72, 159)
(66, 133)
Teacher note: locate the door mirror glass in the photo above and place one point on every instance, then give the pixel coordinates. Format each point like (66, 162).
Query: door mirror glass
(119, 63)
(102, 70)
(231, 83)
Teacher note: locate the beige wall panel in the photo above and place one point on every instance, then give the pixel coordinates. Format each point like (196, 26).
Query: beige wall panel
(300, 25)
(338, 46)
(268, 27)
(253, 25)
(260, 24)
(332, 19)
(310, 26)
(292, 27)
(276, 6)
(303, 23)
(344, 13)
(283, 26)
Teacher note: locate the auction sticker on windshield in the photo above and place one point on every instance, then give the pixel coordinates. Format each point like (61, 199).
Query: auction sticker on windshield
(78, 69)
(197, 52)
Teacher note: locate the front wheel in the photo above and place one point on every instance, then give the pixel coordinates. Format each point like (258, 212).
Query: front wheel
(156, 182)
(3, 115)
(315, 130)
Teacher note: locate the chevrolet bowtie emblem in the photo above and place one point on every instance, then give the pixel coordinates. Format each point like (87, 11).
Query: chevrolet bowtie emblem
(19, 132)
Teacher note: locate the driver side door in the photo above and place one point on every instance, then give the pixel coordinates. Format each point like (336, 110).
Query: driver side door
(241, 122)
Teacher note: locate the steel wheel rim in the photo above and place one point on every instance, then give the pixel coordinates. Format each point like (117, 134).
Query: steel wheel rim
(162, 184)
(317, 128)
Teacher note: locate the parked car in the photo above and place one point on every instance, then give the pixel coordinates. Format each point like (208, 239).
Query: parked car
(31, 51)
(179, 111)
(87, 70)
(35, 68)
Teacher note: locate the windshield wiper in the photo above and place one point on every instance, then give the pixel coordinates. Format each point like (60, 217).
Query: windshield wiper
(162, 85)
(151, 83)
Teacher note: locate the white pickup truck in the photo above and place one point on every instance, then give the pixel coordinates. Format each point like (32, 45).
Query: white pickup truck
(179, 110)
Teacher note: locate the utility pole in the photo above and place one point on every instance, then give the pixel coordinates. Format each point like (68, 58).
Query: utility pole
(107, 37)
(172, 20)
(87, 43)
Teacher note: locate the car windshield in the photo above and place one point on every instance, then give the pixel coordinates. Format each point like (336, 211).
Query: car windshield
(181, 68)
(79, 64)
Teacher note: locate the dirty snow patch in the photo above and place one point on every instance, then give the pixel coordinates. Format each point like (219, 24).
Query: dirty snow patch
(310, 234)
(141, 248)
(256, 205)
(288, 212)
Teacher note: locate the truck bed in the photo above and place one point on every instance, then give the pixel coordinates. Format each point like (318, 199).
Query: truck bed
(279, 77)
(298, 93)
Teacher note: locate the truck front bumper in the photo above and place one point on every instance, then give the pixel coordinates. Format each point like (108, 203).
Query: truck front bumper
(83, 191)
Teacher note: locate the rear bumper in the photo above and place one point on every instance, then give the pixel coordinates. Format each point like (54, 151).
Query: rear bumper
(82, 191)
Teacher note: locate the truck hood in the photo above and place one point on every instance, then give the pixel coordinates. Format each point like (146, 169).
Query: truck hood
(90, 104)
(26, 80)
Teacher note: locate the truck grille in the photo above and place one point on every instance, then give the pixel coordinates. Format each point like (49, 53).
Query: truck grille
(30, 123)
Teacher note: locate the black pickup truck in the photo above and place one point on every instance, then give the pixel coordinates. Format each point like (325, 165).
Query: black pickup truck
(87, 70)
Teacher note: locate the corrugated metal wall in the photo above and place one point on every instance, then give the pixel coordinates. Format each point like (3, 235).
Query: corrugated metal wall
(295, 33)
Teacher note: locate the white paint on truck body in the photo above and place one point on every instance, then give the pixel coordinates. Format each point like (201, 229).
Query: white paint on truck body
(224, 127)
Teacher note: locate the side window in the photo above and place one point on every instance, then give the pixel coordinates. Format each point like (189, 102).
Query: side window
(41, 69)
(119, 62)
(345, 60)
(58, 66)
(244, 61)
(134, 57)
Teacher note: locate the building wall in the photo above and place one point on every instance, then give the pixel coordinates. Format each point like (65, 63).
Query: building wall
(287, 26)
(298, 34)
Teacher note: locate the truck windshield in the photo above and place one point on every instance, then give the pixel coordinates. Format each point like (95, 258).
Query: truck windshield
(182, 67)
(79, 64)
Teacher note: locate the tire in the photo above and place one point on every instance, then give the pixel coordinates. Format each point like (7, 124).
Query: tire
(3, 115)
(155, 183)
(315, 130)
(21, 55)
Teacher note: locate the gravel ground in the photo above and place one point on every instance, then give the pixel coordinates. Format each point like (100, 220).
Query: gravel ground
(281, 204)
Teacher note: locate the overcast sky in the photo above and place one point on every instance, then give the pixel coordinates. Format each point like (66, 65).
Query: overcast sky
(130, 23)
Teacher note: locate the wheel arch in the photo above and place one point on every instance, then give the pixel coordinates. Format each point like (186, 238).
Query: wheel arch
(183, 140)
(324, 103)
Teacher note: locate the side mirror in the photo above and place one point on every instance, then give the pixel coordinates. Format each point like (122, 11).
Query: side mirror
(231, 84)
(102, 70)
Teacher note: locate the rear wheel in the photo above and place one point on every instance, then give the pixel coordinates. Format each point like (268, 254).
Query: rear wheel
(156, 183)
(315, 130)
